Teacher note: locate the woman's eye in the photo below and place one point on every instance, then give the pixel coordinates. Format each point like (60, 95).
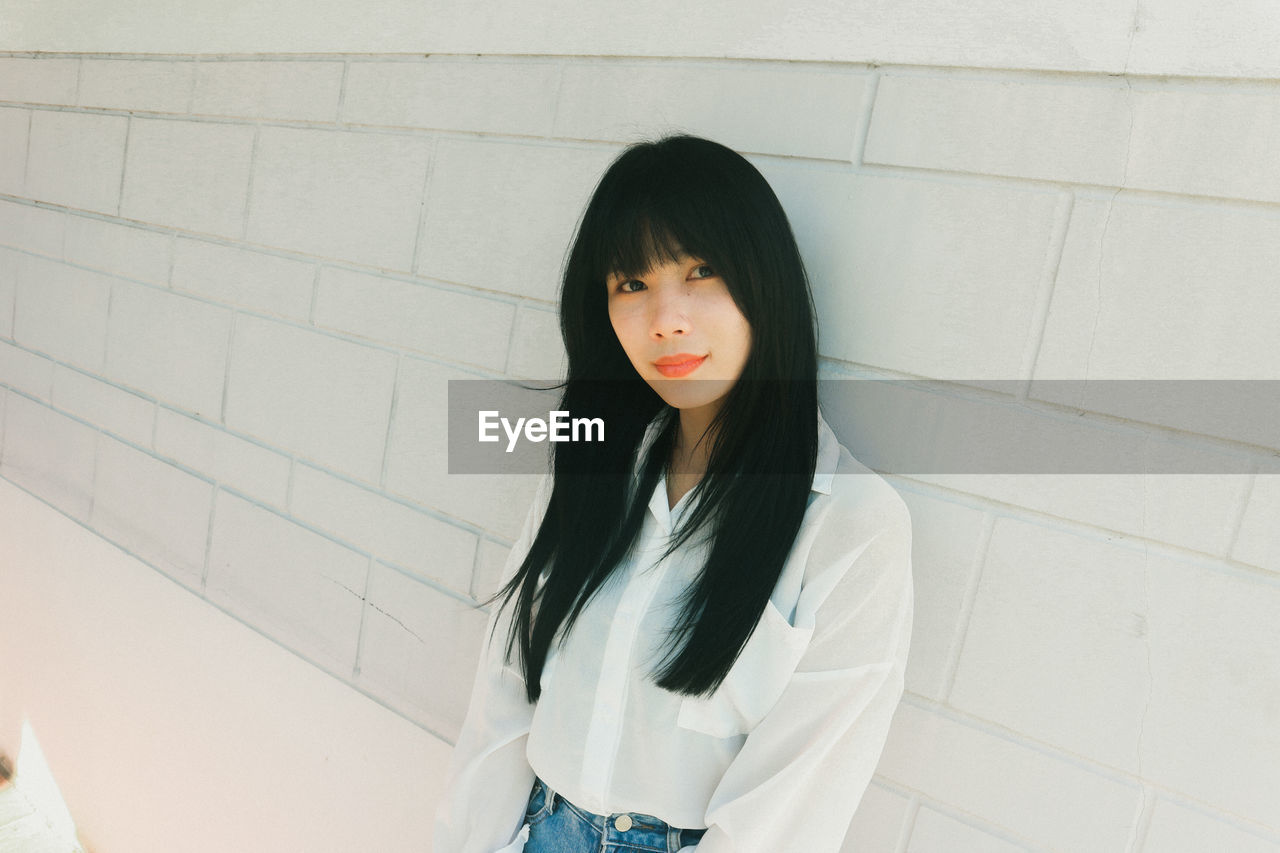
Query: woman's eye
(635, 285)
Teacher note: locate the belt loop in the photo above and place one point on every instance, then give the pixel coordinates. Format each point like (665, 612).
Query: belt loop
(551, 796)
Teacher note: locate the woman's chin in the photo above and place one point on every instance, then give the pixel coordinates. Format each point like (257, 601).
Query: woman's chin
(690, 393)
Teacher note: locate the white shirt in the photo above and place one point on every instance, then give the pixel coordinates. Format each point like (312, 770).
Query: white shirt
(776, 759)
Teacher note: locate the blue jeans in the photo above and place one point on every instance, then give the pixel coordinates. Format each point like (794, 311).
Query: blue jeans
(558, 826)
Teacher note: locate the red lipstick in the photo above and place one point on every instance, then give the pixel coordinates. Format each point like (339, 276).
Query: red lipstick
(681, 364)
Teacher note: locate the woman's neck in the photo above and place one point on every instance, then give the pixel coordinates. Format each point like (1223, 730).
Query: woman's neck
(690, 455)
(692, 450)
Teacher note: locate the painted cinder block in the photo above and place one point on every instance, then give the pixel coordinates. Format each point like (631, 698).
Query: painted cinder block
(1194, 511)
(244, 278)
(1258, 542)
(43, 80)
(500, 215)
(934, 832)
(1177, 828)
(190, 175)
(537, 348)
(9, 261)
(1234, 41)
(1154, 290)
(33, 229)
(14, 123)
(510, 95)
(622, 100)
(1090, 36)
(229, 460)
(24, 371)
(294, 585)
(1146, 663)
(491, 559)
(1213, 141)
(1024, 126)
(1058, 641)
(1210, 730)
(326, 399)
(475, 330)
(418, 462)
(1172, 489)
(1018, 786)
(133, 253)
(110, 407)
(419, 650)
(152, 509)
(402, 535)
(346, 195)
(929, 277)
(75, 159)
(168, 345)
(879, 821)
(62, 311)
(137, 85)
(49, 455)
(293, 91)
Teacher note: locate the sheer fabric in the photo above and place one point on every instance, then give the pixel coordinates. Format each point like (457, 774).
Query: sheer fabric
(776, 759)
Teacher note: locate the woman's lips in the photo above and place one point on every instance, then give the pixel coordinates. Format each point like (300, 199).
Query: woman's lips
(674, 366)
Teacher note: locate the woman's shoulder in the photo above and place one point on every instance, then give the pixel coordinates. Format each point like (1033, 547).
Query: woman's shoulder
(860, 494)
(853, 497)
(861, 514)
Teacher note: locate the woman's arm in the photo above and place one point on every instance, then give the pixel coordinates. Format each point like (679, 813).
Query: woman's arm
(489, 775)
(803, 769)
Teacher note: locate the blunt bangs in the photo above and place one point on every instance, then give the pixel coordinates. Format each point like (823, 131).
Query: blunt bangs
(662, 205)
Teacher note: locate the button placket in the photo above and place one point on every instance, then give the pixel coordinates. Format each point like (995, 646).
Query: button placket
(605, 729)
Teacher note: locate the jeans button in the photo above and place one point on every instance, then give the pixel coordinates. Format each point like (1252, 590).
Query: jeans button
(622, 823)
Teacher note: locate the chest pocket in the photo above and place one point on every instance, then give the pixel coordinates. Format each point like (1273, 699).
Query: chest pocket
(753, 684)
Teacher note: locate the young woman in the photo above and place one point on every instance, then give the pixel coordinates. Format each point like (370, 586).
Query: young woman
(705, 624)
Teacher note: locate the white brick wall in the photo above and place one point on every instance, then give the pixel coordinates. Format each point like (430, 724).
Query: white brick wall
(233, 291)
(294, 584)
(188, 175)
(320, 396)
(61, 311)
(337, 194)
(75, 159)
(409, 316)
(169, 346)
(152, 508)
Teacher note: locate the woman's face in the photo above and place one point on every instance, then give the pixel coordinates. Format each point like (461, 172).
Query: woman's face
(682, 331)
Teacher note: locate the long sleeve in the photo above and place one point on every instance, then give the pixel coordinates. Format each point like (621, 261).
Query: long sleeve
(804, 767)
(489, 775)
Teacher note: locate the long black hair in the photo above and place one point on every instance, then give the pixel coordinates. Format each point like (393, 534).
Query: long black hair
(658, 199)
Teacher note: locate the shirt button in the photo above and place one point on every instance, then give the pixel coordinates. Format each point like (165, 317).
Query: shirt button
(622, 823)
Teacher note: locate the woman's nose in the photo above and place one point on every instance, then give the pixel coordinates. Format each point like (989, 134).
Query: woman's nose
(670, 313)
(670, 324)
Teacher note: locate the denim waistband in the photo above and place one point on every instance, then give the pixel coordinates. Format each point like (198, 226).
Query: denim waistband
(632, 829)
